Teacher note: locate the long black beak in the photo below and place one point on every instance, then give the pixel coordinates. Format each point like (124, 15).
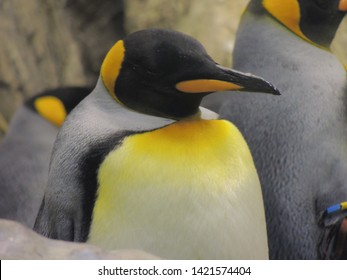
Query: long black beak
(250, 82)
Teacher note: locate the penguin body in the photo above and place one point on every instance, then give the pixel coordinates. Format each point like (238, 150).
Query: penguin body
(168, 178)
(301, 154)
(26, 150)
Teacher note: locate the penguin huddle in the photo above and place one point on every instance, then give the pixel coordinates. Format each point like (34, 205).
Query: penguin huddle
(298, 141)
(26, 150)
(139, 164)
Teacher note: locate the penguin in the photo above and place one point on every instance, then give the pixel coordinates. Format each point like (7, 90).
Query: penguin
(301, 154)
(140, 165)
(26, 149)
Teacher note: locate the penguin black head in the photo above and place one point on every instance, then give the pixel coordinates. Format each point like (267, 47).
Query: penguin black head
(316, 21)
(167, 73)
(55, 104)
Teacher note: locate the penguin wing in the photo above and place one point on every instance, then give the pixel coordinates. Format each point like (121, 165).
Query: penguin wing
(67, 207)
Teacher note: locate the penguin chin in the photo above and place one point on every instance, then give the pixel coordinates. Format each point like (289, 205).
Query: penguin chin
(166, 105)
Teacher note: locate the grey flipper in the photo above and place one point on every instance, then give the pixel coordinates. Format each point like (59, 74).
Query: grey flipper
(298, 140)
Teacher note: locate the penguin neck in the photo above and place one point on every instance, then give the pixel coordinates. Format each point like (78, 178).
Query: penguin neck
(282, 40)
(255, 50)
(305, 74)
(117, 114)
(320, 35)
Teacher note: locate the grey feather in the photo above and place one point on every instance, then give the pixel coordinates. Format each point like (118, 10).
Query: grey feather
(24, 160)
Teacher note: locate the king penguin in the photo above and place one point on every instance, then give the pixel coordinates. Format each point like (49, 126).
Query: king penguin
(26, 150)
(301, 153)
(140, 165)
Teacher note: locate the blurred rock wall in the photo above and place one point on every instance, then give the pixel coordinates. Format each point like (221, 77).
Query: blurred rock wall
(339, 45)
(49, 43)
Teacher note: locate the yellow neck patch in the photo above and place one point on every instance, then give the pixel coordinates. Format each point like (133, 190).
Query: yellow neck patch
(288, 13)
(188, 136)
(111, 66)
(205, 85)
(52, 109)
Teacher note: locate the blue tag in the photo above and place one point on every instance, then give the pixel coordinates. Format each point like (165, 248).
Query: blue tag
(333, 208)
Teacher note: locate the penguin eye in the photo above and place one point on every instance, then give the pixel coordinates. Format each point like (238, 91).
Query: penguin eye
(142, 70)
(323, 4)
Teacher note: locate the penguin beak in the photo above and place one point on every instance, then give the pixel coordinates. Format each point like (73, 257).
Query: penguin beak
(226, 79)
(343, 5)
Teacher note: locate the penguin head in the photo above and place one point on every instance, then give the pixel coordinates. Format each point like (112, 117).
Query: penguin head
(167, 73)
(55, 104)
(315, 21)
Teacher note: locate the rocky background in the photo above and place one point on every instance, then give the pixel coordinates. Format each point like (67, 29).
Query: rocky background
(49, 43)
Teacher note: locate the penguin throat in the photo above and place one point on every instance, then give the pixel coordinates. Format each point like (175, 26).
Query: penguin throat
(321, 33)
(174, 106)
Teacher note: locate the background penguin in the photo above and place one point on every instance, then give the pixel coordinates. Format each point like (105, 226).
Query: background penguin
(25, 152)
(139, 165)
(298, 141)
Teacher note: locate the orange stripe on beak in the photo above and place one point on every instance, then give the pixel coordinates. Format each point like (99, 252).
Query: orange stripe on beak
(205, 85)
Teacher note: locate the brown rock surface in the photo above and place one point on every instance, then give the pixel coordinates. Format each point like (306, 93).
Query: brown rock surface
(47, 44)
(37, 51)
(339, 45)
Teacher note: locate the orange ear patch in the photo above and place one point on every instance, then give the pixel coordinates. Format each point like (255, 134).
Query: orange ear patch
(343, 5)
(111, 66)
(52, 109)
(288, 13)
